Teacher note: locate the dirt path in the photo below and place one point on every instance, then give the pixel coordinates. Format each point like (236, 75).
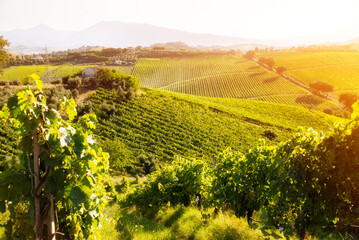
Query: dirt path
(84, 96)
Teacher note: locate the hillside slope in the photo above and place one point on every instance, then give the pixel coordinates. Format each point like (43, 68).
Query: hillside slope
(340, 69)
(225, 77)
(166, 124)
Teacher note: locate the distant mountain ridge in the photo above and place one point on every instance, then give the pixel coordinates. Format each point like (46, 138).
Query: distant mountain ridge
(115, 34)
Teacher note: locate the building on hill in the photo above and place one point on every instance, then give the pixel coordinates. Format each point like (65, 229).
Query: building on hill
(89, 72)
(119, 62)
(38, 58)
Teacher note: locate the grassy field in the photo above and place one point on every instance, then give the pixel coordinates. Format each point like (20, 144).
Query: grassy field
(340, 69)
(225, 77)
(167, 124)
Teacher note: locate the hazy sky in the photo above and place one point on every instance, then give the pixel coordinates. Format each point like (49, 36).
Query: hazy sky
(266, 19)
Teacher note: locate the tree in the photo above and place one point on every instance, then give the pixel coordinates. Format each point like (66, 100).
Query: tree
(3, 55)
(270, 62)
(348, 99)
(65, 177)
(281, 69)
(159, 48)
(322, 87)
(250, 54)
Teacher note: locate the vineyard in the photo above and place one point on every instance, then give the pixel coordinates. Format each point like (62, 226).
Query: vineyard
(19, 73)
(225, 77)
(55, 72)
(166, 124)
(340, 69)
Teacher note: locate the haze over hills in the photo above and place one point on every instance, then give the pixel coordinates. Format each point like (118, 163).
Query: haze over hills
(120, 34)
(114, 34)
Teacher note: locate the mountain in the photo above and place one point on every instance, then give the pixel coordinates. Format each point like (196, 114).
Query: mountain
(115, 34)
(40, 35)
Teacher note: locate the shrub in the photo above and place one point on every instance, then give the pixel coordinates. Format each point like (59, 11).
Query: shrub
(121, 158)
(271, 135)
(180, 183)
(74, 83)
(148, 164)
(16, 82)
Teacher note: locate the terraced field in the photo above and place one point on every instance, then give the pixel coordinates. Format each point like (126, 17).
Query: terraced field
(340, 69)
(226, 77)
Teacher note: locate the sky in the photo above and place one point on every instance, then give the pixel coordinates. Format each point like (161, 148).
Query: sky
(257, 19)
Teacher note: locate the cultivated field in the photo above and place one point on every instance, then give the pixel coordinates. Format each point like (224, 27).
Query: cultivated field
(340, 69)
(225, 77)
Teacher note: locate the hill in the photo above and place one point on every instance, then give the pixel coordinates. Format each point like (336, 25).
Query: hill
(339, 69)
(165, 124)
(222, 76)
(115, 34)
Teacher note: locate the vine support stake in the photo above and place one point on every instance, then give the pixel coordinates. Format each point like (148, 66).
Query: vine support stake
(35, 144)
(51, 219)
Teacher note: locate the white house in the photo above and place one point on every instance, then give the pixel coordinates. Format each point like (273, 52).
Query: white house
(38, 58)
(119, 62)
(89, 72)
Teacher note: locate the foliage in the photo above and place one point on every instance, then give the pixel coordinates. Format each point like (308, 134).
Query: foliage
(182, 182)
(66, 78)
(3, 55)
(167, 125)
(348, 99)
(281, 69)
(55, 95)
(250, 54)
(307, 183)
(116, 80)
(73, 166)
(121, 158)
(269, 62)
(74, 82)
(321, 87)
(148, 164)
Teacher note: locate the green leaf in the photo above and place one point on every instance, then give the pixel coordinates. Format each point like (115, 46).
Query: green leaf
(78, 196)
(4, 114)
(355, 108)
(19, 166)
(34, 78)
(44, 156)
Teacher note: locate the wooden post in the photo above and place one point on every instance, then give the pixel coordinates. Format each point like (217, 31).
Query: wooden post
(51, 219)
(35, 144)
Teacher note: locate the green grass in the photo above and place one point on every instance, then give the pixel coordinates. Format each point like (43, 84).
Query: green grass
(167, 124)
(183, 223)
(341, 69)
